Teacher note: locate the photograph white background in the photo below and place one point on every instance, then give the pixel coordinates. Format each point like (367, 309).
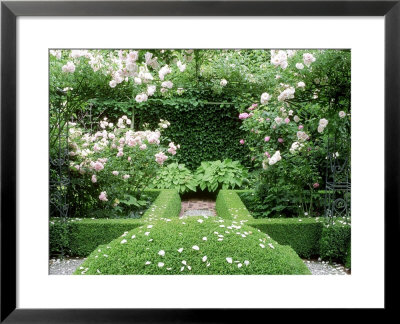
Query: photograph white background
(363, 288)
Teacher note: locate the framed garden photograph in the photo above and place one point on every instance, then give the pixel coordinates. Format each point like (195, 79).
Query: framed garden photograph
(162, 159)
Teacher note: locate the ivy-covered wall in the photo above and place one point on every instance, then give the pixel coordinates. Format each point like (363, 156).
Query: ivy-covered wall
(205, 131)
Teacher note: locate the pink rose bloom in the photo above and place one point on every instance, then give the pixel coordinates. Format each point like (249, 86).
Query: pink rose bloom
(160, 157)
(267, 138)
(142, 147)
(126, 176)
(129, 158)
(273, 126)
(287, 120)
(316, 185)
(301, 126)
(280, 140)
(243, 116)
(171, 151)
(267, 154)
(94, 179)
(120, 153)
(98, 166)
(103, 196)
(241, 141)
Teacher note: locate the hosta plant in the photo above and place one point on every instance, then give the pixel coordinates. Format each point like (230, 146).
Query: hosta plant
(175, 176)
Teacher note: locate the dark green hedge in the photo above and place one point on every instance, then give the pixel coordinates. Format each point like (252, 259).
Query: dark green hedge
(303, 235)
(205, 132)
(336, 243)
(81, 236)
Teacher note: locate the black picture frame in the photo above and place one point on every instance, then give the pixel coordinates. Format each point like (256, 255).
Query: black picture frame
(10, 10)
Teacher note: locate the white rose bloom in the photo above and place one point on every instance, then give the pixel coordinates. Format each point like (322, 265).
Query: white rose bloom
(223, 83)
(151, 89)
(323, 122)
(300, 66)
(320, 129)
(301, 84)
(265, 97)
(296, 118)
(275, 158)
(308, 59)
(113, 83)
(278, 120)
(302, 136)
(167, 84)
(286, 94)
(138, 81)
(342, 114)
(181, 67)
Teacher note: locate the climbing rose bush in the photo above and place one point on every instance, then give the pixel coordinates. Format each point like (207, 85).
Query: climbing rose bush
(118, 161)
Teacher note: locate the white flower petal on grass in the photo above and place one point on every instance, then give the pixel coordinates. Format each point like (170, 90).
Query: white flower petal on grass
(204, 258)
(123, 241)
(243, 235)
(208, 264)
(160, 264)
(147, 233)
(182, 268)
(200, 220)
(169, 268)
(246, 262)
(220, 239)
(271, 246)
(150, 226)
(204, 238)
(221, 225)
(147, 262)
(262, 245)
(133, 236)
(195, 247)
(184, 262)
(189, 267)
(180, 250)
(150, 240)
(229, 260)
(240, 265)
(161, 252)
(105, 255)
(98, 271)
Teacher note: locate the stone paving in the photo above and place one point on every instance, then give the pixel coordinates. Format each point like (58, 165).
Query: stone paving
(197, 207)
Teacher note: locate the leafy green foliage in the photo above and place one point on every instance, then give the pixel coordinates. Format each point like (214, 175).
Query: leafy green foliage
(335, 242)
(175, 176)
(223, 251)
(58, 236)
(215, 175)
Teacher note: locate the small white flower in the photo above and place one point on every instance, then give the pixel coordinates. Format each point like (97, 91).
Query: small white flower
(204, 258)
(147, 262)
(182, 268)
(271, 246)
(204, 238)
(240, 265)
(200, 220)
(160, 264)
(262, 245)
(161, 252)
(246, 262)
(184, 262)
(123, 241)
(133, 236)
(208, 264)
(195, 247)
(229, 260)
(147, 233)
(342, 114)
(150, 226)
(189, 267)
(180, 250)
(98, 271)
(223, 83)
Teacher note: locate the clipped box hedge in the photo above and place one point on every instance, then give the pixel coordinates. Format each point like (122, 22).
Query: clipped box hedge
(302, 234)
(307, 236)
(79, 237)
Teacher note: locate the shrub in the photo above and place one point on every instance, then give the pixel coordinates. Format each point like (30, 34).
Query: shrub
(230, 206)
(84, 235)
(302, 234)
(216, 175)
(336, 242)
(175, 176)
(210, 245)
(58, 236)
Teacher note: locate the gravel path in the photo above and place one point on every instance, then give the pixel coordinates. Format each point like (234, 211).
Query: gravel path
(64, 267)
(317, 267)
